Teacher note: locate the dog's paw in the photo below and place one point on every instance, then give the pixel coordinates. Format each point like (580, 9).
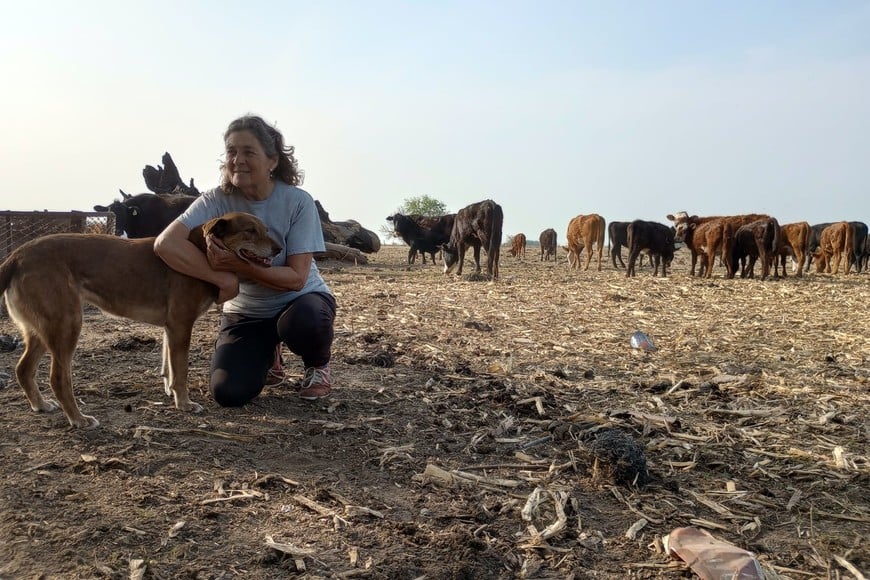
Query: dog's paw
(195, 408)
(45, 406)
(85, 422)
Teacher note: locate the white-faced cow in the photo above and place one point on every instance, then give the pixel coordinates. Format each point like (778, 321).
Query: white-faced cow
(476, 225)
(424, 234)
(655, 239)
(585, 231)
(146, 214)
(547, 239)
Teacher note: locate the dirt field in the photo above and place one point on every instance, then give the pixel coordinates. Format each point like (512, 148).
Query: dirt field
(457, 400)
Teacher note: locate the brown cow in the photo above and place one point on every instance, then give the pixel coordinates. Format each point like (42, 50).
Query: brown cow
(795, 241)
(584, 231)
(518, 246)
(547, 239)
(837, 241)
(758, 240)
(717, 235)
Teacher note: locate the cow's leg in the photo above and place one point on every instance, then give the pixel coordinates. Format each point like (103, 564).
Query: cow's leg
(476, 250)
(632, 258)
(412, 253)
(461, 251)
(711, 259)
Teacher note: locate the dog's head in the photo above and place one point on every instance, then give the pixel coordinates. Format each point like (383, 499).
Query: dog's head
(244, 235)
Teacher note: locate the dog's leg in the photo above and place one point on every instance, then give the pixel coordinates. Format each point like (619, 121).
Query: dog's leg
(165, 367)
(25, 371)
(178, 343)
(61, 344)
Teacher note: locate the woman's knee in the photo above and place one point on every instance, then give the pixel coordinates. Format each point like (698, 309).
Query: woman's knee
(229, 392)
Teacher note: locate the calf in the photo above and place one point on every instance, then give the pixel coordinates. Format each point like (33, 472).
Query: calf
(424, 234)
(476, 225)
(585, 231)
(518, 246)
(547, 239)
(794, 241)
(859, 235)
(758, 240)
(836, 241)
(147, 214)
(654, 238)
(617, 232)
(685, 226)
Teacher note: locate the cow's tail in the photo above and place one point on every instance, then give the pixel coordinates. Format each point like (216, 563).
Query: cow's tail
(601, 232)
(494, 246)
(777, 235)
(727, 249)
(848, 247)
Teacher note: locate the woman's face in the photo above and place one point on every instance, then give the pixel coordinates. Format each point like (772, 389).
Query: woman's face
(247, 164)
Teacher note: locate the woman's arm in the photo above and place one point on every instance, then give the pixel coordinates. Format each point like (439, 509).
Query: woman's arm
(173, 247)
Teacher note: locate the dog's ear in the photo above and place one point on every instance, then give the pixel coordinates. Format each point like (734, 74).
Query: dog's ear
(217, 226)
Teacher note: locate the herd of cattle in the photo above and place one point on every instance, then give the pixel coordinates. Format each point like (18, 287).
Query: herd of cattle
(737, 241)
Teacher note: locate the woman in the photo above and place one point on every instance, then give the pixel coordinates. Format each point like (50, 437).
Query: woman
(262, 307)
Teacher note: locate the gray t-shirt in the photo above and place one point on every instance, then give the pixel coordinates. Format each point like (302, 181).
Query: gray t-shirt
(293, 222)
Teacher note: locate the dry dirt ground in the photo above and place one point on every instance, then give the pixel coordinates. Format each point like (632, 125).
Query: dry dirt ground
(457, 401)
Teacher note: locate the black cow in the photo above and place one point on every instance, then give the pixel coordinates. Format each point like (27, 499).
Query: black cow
(547, 239)
(617, 232)
(655, 239)
(146, 214)
(476, 225)
(424, 234)
(861, 237)
(859, 234)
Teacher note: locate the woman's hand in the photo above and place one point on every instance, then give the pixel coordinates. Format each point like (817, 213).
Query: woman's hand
(220, 258)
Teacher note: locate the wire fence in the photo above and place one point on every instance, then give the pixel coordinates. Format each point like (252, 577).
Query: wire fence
(18, 227)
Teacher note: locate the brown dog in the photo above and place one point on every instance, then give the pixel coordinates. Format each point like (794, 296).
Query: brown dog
(47, 280)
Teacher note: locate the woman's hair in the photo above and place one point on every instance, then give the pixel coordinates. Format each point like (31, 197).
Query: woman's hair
(272, 142)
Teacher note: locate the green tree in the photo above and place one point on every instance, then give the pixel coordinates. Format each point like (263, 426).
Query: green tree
(419, 205)
(423, 205)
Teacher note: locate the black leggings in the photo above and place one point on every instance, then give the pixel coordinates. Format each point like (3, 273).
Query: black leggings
(245, 347)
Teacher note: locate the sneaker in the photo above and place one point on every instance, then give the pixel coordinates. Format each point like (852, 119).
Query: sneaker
(276, 375)
(316, 384)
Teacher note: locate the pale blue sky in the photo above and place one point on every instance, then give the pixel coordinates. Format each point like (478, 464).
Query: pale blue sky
(627, 109)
